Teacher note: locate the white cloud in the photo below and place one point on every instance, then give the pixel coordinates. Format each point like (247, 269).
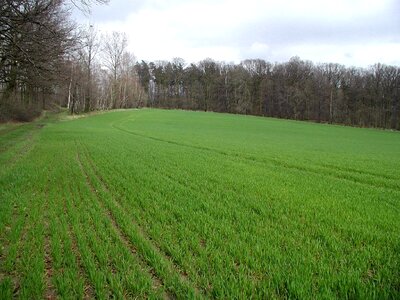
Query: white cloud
(357, 32)
(350, 55)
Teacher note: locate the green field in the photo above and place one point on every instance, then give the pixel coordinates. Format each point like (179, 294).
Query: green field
(173, 204)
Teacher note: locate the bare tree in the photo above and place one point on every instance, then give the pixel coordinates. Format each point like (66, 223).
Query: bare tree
(114, 47)
(295, 89)
(35, 37)
(90, 48)
(86, 5)
(113, 50)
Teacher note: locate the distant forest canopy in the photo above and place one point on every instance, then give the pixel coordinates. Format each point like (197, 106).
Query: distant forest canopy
(295, 89)
(47, 61)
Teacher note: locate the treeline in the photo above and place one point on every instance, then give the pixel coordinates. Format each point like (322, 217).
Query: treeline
(102, 75)
(47, 62)
(295, 89)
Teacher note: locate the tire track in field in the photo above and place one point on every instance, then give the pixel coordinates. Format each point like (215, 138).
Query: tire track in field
(141, 231)
(12, 245)
(50, 291)
(6, 230)
(157, 282)
(99, 292)
(360, 172)
(18, 243)
(88, 292)
(7, 145)
(141, 235)
(204, 289)
(24, 136)
(109, 264)
(330, 172)
(20, 153)
(5, 252)
(105, 186)
(10, 129)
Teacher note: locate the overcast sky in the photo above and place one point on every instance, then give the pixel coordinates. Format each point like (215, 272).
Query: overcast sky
(350, 32)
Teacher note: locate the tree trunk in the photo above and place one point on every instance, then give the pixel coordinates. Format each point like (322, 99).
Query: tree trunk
(331, 107)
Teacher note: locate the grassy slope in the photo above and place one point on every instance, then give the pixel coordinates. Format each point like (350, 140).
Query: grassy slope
(159, 204)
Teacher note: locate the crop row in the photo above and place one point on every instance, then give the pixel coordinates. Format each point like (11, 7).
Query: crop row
(134, 205)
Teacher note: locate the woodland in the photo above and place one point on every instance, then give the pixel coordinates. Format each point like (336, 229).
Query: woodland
(48, 62)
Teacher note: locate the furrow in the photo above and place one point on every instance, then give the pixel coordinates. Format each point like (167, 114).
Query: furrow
(148, 250)
(16, 259)
(20, 153)
(10, 142)
(105, 186)
(8, 130)
(9, 279)
(50, 292)
(349, 177)
(88, 292)
(87, 261)
(359, 172)
(157, 282)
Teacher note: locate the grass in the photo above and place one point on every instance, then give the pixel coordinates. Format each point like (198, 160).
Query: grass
(173, 204)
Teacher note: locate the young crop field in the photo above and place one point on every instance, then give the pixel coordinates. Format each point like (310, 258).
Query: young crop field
(173, 204)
